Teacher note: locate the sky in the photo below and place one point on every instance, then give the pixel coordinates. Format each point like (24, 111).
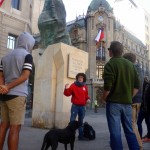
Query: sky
(145, 4)
(78, 7)
(75, 8)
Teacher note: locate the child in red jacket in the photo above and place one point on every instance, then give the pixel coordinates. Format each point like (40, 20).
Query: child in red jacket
(79, 92)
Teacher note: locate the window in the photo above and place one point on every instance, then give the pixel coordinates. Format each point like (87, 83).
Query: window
(100, 53)
(30, 12)
(11, 41)
(146, 27)
(16, 4)
(127, 42)
(109, 25)
(147, 37)
(146, 18)
(99, 71)
(138, 62)
(122, 36)
(146, 66)
(136, 48)
(142, 65)
(92, 23)
(75, 33)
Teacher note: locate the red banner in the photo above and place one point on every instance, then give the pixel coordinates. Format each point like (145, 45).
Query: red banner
(1, 2)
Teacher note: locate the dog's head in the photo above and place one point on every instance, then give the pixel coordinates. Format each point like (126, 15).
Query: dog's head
(73, 125)
(85, 123)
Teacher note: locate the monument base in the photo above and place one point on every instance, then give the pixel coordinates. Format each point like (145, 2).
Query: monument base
(57, 66)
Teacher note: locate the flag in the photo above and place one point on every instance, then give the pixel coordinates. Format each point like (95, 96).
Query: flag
(99, 36)
(1, 2)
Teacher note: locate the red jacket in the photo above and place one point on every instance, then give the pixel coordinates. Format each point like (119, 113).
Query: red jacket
(79, 94)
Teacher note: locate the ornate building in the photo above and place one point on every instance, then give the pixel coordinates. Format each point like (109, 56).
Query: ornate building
(83, 31)
(138, 20)
(147, 31)
(17, 16)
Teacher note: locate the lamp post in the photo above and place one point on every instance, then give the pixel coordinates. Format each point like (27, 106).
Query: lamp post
(91, 89)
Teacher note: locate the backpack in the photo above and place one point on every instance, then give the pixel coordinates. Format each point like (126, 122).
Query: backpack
(88, 131)
(146, 96)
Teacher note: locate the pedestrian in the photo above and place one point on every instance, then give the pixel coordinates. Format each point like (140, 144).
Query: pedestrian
(145, 111)
(96, 106)
(121, 83)
(15, 69)
(137, 99)
(79, 92)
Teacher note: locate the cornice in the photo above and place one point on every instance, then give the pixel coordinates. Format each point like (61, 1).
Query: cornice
(5, 13)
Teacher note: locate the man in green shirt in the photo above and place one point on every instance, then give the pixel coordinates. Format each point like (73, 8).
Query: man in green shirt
(121, 83)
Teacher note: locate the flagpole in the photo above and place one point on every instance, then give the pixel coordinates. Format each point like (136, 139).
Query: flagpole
(101, 50)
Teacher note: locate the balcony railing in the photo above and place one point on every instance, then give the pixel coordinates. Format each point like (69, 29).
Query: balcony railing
(97, 81)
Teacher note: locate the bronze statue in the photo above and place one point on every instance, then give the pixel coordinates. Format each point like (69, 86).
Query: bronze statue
(52, 23)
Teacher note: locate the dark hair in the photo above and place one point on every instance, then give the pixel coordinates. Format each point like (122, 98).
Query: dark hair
(117, 48)
(81, 74)
(130, 56)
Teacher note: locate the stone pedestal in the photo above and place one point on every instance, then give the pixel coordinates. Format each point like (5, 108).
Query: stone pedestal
(57, 66)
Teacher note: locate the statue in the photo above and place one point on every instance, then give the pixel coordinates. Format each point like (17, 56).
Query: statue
(52, 23)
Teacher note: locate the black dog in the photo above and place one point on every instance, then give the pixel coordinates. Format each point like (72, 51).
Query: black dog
(65, 136)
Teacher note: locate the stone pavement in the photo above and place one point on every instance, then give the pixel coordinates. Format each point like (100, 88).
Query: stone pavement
(32, 138)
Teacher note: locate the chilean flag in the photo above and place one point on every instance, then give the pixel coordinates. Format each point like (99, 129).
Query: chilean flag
(1, 2)
(99, 36)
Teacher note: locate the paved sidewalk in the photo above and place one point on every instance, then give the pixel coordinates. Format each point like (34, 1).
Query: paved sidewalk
(32, 138)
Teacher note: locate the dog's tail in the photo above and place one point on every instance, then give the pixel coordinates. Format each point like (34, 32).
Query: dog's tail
(44, 142)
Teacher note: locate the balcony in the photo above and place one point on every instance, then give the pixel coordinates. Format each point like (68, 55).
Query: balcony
(97, 81)
(99, 58)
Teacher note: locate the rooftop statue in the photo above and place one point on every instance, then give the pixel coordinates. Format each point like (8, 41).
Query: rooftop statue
(52, 23)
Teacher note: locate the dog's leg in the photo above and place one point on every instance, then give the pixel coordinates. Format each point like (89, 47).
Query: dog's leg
(44, 142)
(43, 145)
(72, 145)
(65, 146)
(54, 145)
(47, 146)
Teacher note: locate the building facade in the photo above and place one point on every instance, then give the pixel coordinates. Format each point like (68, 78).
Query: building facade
(147, 30)
(135, 18)
(83, 31)
(15, 17)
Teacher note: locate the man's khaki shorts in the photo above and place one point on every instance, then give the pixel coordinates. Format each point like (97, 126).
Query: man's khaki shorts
(13, 111)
